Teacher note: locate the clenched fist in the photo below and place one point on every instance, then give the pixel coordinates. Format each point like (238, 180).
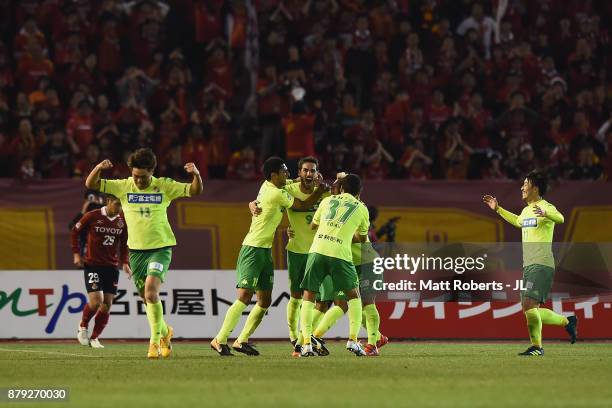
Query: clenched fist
(105, 164)
(192, 169)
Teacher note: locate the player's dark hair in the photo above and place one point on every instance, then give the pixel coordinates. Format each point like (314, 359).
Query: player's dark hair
(351, 184)
(539, 180)
(272, 165)
(110, 197)
(143, 158)
(308, 159)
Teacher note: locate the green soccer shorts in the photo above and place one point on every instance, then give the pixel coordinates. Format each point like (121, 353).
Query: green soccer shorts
(343, 273)
(150, 262)
(366, 275)
(296, 265)
(537, 281)
(327, 292)
(255, 269)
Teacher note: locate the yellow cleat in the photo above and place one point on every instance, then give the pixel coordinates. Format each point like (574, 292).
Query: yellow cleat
(153, 353)
(166, 346)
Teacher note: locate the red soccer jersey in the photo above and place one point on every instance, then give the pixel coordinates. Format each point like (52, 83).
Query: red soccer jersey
(106, 237)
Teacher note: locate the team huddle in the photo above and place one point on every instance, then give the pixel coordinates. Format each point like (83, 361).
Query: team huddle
(329, 256)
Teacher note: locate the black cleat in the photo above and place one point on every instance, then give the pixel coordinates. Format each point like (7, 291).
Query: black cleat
(533, 351)
(318, 346)
(572, 328)
(245, 348)
(222, 349)
(297, 349)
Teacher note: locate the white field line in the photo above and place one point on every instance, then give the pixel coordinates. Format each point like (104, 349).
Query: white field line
(48, 352)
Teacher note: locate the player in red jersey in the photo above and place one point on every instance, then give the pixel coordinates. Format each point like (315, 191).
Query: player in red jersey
(106, 238)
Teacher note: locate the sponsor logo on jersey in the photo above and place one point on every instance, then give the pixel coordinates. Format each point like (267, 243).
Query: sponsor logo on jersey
(144, 198)
(529, 223)
(109, 230)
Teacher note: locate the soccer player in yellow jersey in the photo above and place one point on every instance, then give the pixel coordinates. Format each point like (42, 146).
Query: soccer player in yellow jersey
(145, 200)
(339, 220)
(537, 221)
(255, 270)
(300, 239)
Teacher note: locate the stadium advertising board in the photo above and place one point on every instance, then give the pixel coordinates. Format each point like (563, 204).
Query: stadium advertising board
(48, 304)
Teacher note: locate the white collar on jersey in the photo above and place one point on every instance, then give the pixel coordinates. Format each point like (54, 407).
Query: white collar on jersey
(104, 214)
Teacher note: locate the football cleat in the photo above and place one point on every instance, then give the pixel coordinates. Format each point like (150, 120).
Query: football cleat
(318, 346)
(371, 351)
(307, 351)
(355, 348)
(384, 340)
(153, 353)
(222, 349)
(533, 351)
(297, 349)
(572, 328)
(245, 348)
(95, 343)
(83, 336)
(165, 344)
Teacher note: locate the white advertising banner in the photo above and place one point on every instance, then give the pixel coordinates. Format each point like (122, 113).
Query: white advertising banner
(48, 305)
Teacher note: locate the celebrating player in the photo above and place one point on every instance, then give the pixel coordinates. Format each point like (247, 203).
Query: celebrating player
(106, 237)
(145, 200)
(300, 239)
(363, 257)
(255, 270)
(537, 221)
(336, 221)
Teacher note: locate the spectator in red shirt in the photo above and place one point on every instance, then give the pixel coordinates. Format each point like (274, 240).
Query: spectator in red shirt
(299, 138)
(415, 164)
(242, 165)
(219, 76)
(80, 127)
(29, 33)
(195, 149)
(24, 145)
(33, 66)
(92, 157)
(109, 47)
(438, 112)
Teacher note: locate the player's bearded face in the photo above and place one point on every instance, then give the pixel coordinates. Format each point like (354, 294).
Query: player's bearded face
(308, 173)
(142, 177)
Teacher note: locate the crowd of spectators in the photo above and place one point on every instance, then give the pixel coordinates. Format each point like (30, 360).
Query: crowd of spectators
(409, 89)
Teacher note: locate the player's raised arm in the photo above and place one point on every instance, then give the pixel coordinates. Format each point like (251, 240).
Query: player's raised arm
(196, 184)
(505, 214)
(93, 179)
(549, 211)
(299, 205)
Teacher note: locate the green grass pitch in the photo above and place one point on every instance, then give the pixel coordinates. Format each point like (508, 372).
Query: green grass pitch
(406, 374)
